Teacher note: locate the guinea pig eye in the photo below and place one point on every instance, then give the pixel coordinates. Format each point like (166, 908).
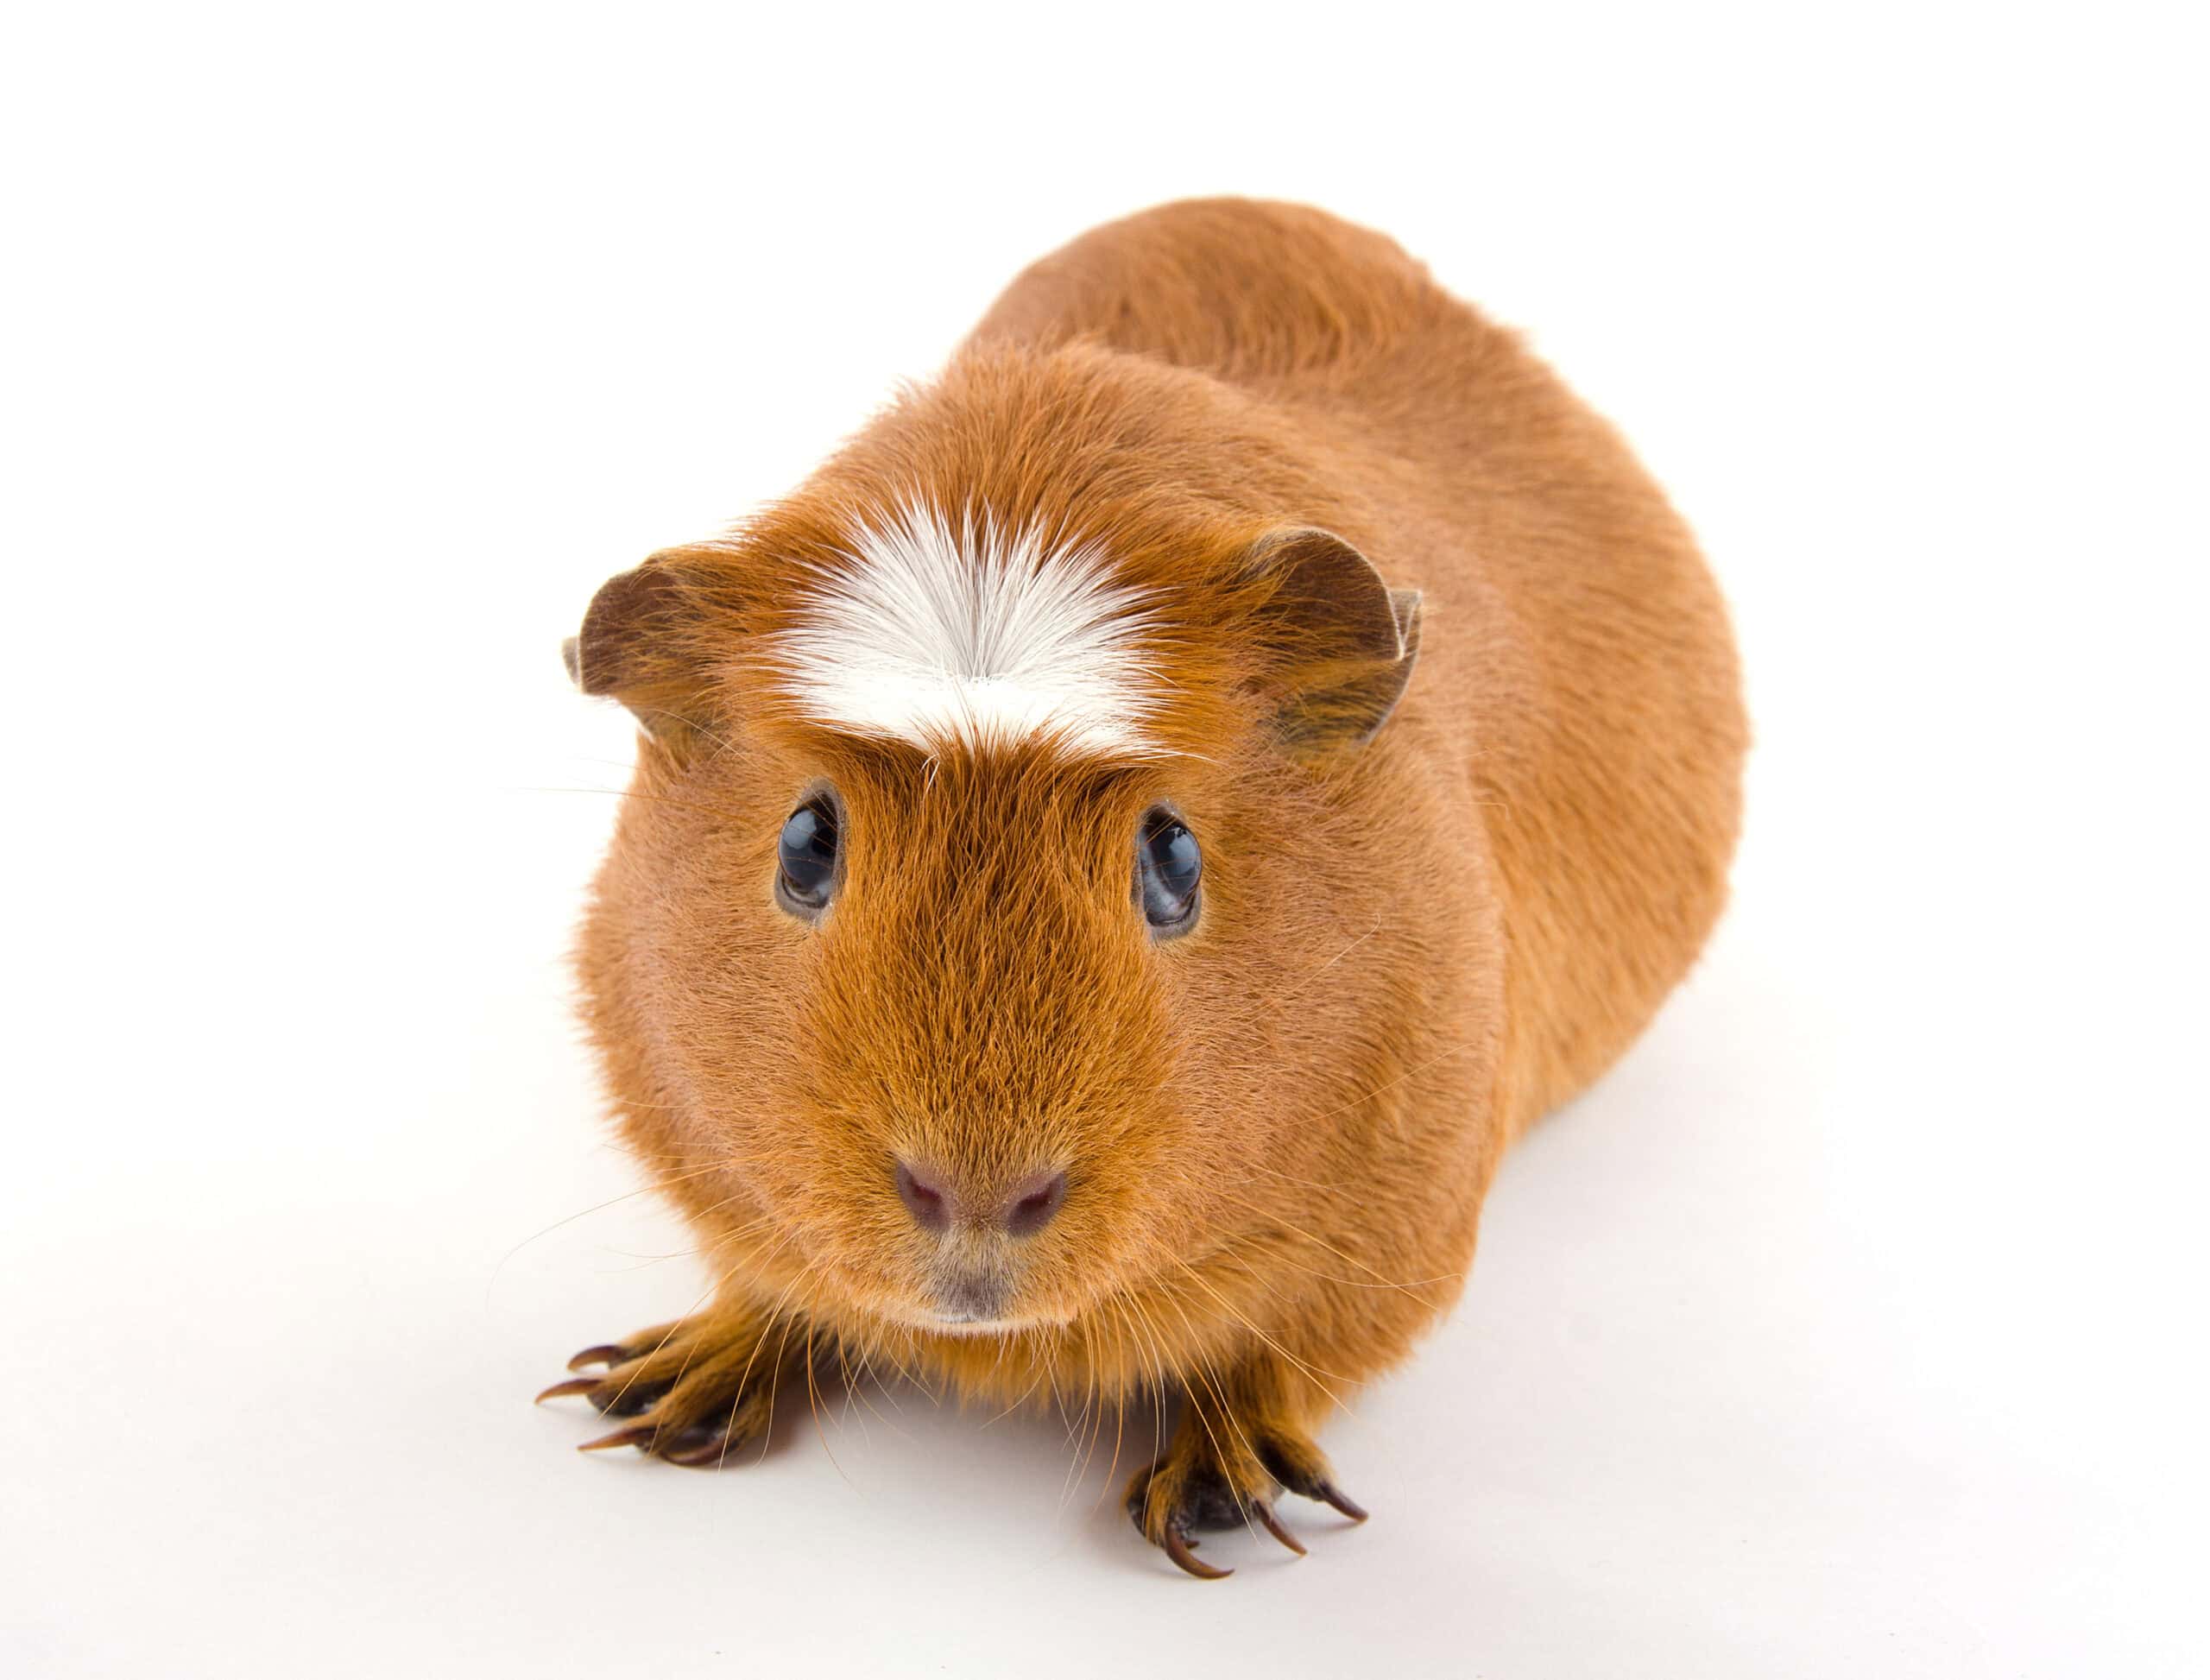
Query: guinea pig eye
(805, 858)
(1168, 865)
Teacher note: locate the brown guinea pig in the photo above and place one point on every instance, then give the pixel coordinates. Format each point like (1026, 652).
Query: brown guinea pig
(1116, 856)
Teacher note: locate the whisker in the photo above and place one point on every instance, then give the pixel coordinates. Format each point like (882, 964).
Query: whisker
(1321, 1242)
(813, 1404)
(1197, 1405)
(1235, 1313)
(610, 1202)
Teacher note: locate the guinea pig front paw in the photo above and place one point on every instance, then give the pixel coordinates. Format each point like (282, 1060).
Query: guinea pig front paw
(1224, 1471)
(698, 1389)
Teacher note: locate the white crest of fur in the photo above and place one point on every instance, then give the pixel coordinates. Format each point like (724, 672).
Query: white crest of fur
(979, 638)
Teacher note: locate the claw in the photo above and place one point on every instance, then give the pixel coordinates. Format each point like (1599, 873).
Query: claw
(1178, 1549)
(572, 1385)
(609, 1354)
(632, 1398)
(703, 1455)
(1328, 1493)
(637, 1435)
(1265, 1513)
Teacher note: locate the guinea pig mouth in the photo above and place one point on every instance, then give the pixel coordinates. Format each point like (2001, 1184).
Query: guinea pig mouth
(948, 1323)
(945, 1326)
(941, 1321)
(971, 1294)
(971, 1299)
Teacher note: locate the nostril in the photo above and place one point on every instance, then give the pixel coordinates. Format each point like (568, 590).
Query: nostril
(1036, 1204)
(931, 1208)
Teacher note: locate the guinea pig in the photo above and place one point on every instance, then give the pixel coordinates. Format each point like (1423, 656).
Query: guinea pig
(1115, 855)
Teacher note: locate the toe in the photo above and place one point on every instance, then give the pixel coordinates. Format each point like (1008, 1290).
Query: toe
(1301, 1467)
(1271, 1524)
(700, 1447)
(637, 1435)
(572, 1385)
(1177, 1547)
(631, 1397)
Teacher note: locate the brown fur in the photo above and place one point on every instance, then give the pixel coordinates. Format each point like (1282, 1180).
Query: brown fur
(1278, 1129)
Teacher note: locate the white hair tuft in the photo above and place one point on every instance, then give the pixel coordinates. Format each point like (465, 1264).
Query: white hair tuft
(979, 638)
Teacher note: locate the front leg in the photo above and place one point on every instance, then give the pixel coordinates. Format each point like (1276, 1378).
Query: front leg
(703, 1387)
(1245, 1435)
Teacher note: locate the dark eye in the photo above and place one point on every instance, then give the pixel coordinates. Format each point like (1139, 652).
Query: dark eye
(1168, 865)
(806, 856)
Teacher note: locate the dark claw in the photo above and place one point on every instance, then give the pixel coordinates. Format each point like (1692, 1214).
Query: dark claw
(1328, 1493)
(1265, 1513)
(606, 1352)
(700, 1448)
(630, 1398)
(572, 1385)
(1178, 1549)
(690, 1439)
(639, 1436)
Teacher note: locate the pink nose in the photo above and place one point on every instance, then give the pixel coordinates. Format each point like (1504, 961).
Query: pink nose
(936, 1202)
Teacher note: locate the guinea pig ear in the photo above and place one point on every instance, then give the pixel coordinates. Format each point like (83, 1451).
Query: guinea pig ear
(642, 640)
(1343, 642)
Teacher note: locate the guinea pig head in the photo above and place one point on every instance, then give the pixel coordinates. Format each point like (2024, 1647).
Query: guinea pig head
(939, 961)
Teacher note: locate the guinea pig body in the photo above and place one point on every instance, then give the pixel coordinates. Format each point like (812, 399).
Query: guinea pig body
(1116, 855)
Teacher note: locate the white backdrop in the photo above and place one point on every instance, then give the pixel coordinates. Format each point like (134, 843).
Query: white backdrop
(1853, 1326)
